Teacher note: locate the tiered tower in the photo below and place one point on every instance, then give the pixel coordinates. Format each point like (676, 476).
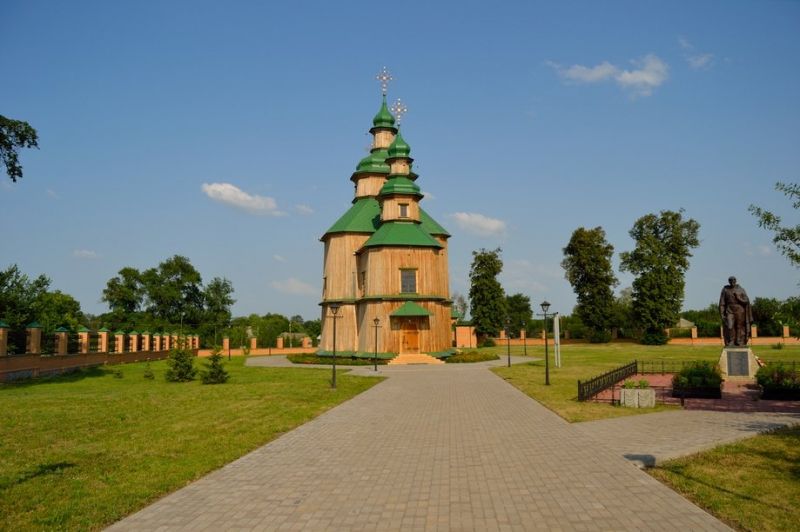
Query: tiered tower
(386, 258)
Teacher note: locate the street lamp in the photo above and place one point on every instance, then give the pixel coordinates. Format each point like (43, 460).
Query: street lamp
(545, 307)
(508, 340)
(377, 322)
(334, 310)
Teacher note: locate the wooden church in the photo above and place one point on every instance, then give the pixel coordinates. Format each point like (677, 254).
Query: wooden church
(385, 273)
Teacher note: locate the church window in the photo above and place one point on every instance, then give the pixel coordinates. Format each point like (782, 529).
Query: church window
(408, 281)
(403, 210)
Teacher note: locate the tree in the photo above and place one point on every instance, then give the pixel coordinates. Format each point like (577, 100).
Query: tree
(215, 372)
(767, 315)
(180, 365)
(487, 297)
(218, 300)
(660, 259)
(125, 292)
(587, 267)
(519, 313)
(313, 329)
(460, 305)
(18, 297)
(787, 239)
(174, 291)
(15, 134)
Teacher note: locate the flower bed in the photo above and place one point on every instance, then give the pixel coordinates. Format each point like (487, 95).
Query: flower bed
(698, 380)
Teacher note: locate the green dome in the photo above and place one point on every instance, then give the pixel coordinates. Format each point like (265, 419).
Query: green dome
(400, 185)
(399, 147)
(375, 162)
(384, 118)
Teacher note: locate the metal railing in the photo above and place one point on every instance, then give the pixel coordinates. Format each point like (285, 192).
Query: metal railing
(590, 388)
(654, 367)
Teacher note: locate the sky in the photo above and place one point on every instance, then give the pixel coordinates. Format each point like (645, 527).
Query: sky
(228, 131)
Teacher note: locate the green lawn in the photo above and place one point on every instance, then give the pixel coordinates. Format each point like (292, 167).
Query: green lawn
(82, 451)
(584, 361)
(752, 485)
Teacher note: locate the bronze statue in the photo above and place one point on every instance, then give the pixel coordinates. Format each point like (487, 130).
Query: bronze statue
(736, 314)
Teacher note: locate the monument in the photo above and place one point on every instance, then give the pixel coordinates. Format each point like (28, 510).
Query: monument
(737, 360)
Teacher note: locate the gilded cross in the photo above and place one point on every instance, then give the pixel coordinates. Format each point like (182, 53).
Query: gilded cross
(384, 77)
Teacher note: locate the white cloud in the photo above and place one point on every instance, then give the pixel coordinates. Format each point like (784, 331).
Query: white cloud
(294, 287)
(52, 193)
(303, 209)
(651, 73)
(525, 276)
(764, 250)
(684, 43)
(701, 61)
(428, 195)
(279, 258)
(85, 254)
(478, 224)
(235, 197)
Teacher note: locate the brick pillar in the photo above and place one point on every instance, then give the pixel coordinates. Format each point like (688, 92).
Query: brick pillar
(754, 331)
(541, 334)
(279, 342)
(83, 340)
(694, 333)
(165, 342)
(613, 332)
(197, 341)
(173, 341)
(146, 341)
(119, 342)
(522, 334)
(226, 343)
(61, 341)
(253, 343)
(785, 332)
(502, 334)
(134, 336)
(3, 338)
(34, 346)
(306, 342)
(102, 340)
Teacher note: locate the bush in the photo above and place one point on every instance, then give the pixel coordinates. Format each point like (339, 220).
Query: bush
(644, 384)
(779, 381)
(681, 332)
(470, 356)
(629, 385)
(215, 372)
(117, 372)
(599, 337)
(148, 372)
(698, 379)
(779, 345)
(654, 338)
(180, 366)
(487, 342)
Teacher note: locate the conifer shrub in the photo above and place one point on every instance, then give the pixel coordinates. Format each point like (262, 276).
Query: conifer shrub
(180, 365)
(655, 338)
(215, 372)
(148, 372)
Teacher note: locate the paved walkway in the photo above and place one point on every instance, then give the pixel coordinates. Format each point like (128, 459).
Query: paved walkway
(432, 448)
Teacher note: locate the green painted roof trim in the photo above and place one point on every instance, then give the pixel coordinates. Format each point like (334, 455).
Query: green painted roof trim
(34, 325)
(363, 217)
(400, 185)
(409, 309)
(401, 234)
(384, 118)
(430, 225)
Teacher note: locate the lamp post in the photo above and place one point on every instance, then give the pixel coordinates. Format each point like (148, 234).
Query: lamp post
(334, 310)
(508, 340)
(524, 338)
(545, 307)
(377, 322)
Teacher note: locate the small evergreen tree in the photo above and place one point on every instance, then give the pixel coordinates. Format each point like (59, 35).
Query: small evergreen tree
(215, 372)
(486, 294)
(148, 372)
(181, 365)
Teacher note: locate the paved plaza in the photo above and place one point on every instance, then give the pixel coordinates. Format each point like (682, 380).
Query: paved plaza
(451, 447)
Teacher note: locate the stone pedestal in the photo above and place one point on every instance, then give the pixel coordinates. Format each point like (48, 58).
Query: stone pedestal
(738, 363)
(637, 397)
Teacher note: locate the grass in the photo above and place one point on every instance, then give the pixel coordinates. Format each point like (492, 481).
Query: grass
(340, 361)
(81, 451)
(584, 361)
(471, 356)
(751, 485)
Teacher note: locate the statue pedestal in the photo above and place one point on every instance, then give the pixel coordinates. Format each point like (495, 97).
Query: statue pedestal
(738, 363)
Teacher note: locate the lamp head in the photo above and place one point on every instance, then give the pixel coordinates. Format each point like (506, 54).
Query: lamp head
(545, 306)
(334, 308)
(376, 321)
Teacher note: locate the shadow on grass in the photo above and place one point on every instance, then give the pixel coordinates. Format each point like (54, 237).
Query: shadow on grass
(75, 375)
(39, 471)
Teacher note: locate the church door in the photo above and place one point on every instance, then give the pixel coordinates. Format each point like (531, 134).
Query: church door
(410, 336)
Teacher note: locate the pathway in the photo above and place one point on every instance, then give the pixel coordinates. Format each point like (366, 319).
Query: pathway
(439, 448)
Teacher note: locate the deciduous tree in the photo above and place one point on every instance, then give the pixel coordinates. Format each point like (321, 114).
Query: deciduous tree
(664, 244)
(15, 134)
(519, 313)
(786, 238)
(587, 267)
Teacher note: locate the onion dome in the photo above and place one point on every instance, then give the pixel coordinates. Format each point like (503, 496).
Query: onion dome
(384, 118)
(399, 147)
(374, 163)
(400, 185)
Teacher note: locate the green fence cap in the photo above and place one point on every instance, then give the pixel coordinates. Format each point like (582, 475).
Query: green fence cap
(103, 330)
(3, 325)
(62, 329)
(34, 325)
(82, 329)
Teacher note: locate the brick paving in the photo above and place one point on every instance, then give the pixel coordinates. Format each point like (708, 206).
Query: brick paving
(431, 448)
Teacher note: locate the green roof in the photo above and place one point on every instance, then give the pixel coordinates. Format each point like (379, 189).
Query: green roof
(430, 225)
(399, 147)
(34, 325)
(409, 309)
(384, 118)
(400, 185)
(3, 325)
(62, 329)
(119, 332)
(103, 330)
(363, 217)
(401, 234)
(133, 332)
(82, 329)
(374, 163)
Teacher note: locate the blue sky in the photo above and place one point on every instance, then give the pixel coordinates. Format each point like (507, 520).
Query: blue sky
(227, 132)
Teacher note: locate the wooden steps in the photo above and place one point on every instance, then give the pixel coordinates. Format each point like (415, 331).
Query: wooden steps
(414, 358)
